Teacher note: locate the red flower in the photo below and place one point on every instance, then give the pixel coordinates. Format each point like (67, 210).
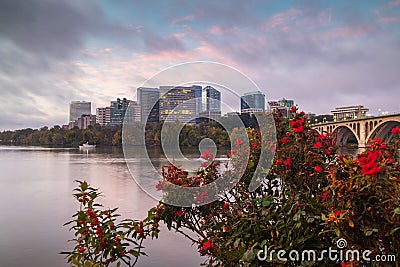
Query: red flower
(233, 151)
(204, 164)
(160, 185)
(324, 196)
(287, 162)
(293, 109)
(81, 249)
(207, 155)
(225, 206)
(297, 125)
(284, 140)
(317, 168)
(338, 213)
(368, 163)
(396, 130)
(317, 145)
(180, 213)
(238, 142)
(345, 264)
(207, 245)
(278, 162)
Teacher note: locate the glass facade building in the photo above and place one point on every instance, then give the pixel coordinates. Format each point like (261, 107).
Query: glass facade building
(79, 108)
(118, 111)
(148, 100)
(211, 99)
(252, 102)
(182, 103)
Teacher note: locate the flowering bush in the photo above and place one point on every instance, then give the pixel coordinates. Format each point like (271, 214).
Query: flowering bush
(99, 239)
(310, 198)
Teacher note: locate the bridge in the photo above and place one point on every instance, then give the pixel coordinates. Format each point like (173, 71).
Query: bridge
(357, 132)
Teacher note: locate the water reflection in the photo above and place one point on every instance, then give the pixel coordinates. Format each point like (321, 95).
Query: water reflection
(36, 186)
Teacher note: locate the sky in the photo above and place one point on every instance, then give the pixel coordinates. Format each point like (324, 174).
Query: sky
(322, 54)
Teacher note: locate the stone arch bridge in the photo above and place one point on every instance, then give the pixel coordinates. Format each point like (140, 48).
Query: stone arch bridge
(359, 131)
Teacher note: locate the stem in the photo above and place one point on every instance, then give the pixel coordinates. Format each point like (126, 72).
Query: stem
(140, 247)
(186, 235)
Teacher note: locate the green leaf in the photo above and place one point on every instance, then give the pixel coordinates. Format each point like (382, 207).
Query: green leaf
(394, 230)
(249, 256)
(84, 186)
(266, 203)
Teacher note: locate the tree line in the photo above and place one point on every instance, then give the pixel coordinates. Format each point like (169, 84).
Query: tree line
(189, 136)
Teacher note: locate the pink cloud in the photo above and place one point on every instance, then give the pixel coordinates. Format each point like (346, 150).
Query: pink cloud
(394, 3)
(389, 19)
(388, 6)
(349, 32)
(281, 18)
(217, 30)
(88, 53)
(182, 19)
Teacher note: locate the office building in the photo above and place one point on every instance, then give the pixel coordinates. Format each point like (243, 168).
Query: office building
(103, 116)
(349, 113)
(133, 112)
(252, 102)
(118, 110)
(282, 106)
(211, 105)
(182, 103)
(148, 100)
(211, 99)
(85, 121)
(79, 108)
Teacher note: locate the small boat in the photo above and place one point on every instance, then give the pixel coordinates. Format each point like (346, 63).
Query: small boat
(87, 146)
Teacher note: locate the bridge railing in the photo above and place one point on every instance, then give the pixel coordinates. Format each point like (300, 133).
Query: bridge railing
(349, 120)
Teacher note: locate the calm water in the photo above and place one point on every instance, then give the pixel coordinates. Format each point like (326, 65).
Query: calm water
(36, 186)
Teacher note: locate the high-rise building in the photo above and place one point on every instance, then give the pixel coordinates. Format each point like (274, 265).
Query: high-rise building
(286, 103)
(182, 103)
(349, 113)
(211, 99)
(79, 108)
(103, 116)
(211, 104)
(85, 121)
(282, 106)
(252, 102)
(133, 112)
(118, 111)
(148, 100)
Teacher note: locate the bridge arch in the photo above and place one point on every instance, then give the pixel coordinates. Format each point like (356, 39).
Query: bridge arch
(346, 135)
(383, 130)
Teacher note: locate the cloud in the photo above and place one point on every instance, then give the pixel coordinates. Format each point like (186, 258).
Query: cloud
(157, 43)
(350, 32)
(282, 18)
(389, 19)
(317, 54)
(46, 28)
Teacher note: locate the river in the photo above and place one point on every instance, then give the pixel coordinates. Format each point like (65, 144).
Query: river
(36, 200)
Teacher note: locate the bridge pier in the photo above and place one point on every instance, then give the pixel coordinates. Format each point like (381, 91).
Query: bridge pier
(362, 139)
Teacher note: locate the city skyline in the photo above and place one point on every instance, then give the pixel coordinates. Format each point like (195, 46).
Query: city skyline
(322, 54)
